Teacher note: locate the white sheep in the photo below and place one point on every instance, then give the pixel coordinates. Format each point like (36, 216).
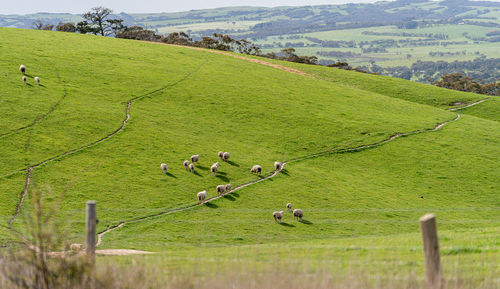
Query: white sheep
(297, 213)
(76, 247)
(25, 79)
(278, 216)
(221, 189)
(191, 168)
(226, 156)
(37, 80)
(22, 68)
(277, 166)
(256, 169)
(195, 158)
(221, 155)
(186, 164)
(202, 196)
(289, 207)
(163, 168)
(214, 168)
(228, 187)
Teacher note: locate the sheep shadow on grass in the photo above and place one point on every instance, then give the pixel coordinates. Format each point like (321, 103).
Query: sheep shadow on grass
(285, 172)
(202, 168)
(171, 175)
(233, 164)
(306, 222)
(223, 178)
(197, 173)
(210, 205)
(286, 224)
(229, 197)
(235, 194)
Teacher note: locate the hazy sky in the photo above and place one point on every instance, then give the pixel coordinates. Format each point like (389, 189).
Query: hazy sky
(140, 6)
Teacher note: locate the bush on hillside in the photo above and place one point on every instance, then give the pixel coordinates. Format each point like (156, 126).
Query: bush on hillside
(66, 27)
(138, 33)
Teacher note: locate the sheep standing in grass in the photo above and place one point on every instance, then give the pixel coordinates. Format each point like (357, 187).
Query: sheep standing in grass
(76, 247)
(164, 168)
(195, 158)
(228, 187)
(25, 79)
(278, 216)
(22, 68)
(256, 169)
(191, 168)
(37, 80)
(202, 196)
(221, 189)
(297, 213)
(214, 168)
(289, 207)
(226, 156)
(277, 166)
(221, 155)
(186, 164)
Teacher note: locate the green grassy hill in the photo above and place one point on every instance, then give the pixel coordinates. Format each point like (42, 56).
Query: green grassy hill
(73, 130)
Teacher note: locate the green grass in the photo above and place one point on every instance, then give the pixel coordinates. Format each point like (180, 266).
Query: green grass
(487, 110)
(207, 102)
(388, 86)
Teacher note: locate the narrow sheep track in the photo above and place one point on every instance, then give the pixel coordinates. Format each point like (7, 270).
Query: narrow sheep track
(469, 105)
(29, 170)
(275, 173)
(234, 55)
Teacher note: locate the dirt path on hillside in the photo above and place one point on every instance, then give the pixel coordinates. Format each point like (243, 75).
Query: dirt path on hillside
(469, 105)
(259, 61)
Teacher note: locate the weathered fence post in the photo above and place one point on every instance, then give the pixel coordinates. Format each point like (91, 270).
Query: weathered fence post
(431, 251)
(91, 222)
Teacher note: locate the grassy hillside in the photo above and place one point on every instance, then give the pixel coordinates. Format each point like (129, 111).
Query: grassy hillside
(184, 101)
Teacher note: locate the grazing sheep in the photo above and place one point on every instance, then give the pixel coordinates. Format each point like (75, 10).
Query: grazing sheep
(22, 68)
(297, 213)
(76, 247)
(191, 168)
(25, 79)
(226, 156)
(278, 216)
(289, 207)
(221, 155)
(164, 168)
(186, 164)
(37, 80)
(277, 166)
(228, 187)
(195, 158)
(256, 169)
(221, 189)
(202, 196)
(214, 168)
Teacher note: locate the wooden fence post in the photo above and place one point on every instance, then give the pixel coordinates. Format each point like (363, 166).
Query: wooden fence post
(91, 222)
(431, 251)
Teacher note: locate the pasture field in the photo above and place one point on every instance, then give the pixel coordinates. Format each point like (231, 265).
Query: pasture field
(109, 111)
(395, 56)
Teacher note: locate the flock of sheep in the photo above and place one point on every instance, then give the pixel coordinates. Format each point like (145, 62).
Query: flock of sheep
(221, 189)
(22, 68)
